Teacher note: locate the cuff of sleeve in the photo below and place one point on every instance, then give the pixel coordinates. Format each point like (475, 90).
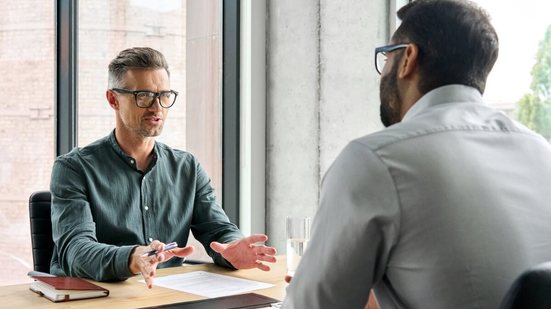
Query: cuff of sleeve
(121, 262)
(219, 260)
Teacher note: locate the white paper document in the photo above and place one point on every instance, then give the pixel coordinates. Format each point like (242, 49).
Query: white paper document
(208, 284)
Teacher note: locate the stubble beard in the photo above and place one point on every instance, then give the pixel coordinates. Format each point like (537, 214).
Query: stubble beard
(144, 131)
(390, 98)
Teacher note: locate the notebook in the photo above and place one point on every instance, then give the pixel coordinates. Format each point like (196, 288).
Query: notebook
(59, 289)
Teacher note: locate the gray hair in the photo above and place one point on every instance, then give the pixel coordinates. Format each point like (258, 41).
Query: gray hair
(132, 58)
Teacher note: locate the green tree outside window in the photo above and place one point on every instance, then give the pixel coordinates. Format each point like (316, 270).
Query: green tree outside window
(534, 108)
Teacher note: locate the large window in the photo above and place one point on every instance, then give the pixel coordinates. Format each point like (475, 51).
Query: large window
(187, 32)
(519, 83)
(26, 125)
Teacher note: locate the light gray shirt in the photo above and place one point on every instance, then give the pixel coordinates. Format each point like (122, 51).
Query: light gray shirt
(442, 210)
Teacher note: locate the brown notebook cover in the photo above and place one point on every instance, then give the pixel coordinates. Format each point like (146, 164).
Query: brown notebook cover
(240, 301)
(66, 288)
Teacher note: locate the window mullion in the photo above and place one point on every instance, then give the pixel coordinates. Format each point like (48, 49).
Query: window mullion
(66, 75)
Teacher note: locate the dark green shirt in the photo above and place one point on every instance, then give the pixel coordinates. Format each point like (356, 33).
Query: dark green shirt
(103, 206)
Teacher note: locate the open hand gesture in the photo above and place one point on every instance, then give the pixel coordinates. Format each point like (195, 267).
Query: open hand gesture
(244, 253)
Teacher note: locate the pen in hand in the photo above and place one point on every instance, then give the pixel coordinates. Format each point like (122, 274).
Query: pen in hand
(169, 246)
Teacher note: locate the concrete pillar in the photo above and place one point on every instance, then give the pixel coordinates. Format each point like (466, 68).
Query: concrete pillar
(322, 91)
(292, 113)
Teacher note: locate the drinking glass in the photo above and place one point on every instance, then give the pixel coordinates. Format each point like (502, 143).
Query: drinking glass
(298, 235)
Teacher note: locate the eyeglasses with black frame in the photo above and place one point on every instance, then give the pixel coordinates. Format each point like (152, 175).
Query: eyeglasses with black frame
(381, 52)
(145, 99)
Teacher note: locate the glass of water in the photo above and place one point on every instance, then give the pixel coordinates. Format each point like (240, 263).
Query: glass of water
(298, 235)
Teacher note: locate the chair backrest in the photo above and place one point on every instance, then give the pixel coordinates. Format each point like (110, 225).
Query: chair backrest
(532, 289)
(41, 230)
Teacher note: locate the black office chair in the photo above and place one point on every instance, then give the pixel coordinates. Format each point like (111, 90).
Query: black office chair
(41, 230)
(532, 289)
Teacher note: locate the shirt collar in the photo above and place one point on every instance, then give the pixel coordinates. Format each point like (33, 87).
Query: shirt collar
(128, 159)
(444, 94)
(116, 147)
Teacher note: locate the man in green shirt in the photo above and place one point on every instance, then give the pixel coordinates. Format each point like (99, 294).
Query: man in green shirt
(126, 194)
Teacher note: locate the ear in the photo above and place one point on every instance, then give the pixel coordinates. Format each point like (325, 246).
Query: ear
(409, 61)
(112, 99)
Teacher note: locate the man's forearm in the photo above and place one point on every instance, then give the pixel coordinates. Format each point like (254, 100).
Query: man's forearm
(100, 262)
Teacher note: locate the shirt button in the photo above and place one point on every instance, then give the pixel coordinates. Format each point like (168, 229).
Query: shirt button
(150, 239)
(146, 207)
(131, 161)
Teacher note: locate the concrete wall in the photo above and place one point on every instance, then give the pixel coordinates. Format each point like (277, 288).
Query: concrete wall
(322, 90)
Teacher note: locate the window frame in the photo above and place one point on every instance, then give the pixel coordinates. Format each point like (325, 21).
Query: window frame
(66, 82)
(230, 108)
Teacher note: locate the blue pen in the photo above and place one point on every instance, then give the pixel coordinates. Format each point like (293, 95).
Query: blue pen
(169, 246)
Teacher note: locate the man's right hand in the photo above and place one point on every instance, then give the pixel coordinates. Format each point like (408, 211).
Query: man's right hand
(147, 265)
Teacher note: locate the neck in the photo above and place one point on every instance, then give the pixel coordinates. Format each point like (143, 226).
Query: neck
(410, 94)
(138, 147)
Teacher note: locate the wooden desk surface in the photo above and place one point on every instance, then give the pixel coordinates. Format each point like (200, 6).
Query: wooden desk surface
(133, 294)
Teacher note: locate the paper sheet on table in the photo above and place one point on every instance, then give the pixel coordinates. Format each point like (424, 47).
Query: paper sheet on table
(208, 284)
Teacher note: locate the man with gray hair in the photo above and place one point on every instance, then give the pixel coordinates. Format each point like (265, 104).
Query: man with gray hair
(126, 194)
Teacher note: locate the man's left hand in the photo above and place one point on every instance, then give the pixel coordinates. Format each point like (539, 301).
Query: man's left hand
(245, 253)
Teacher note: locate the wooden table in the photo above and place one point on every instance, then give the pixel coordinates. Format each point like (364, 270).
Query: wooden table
(134, 294)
